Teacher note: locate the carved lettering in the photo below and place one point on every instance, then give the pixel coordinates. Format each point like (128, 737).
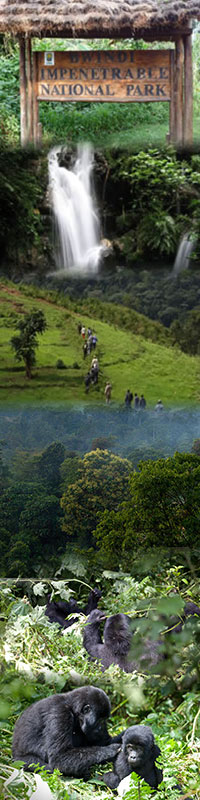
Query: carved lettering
(116, 73)
(148, 89)
(133, 90)
(119, 75)
(160, 90)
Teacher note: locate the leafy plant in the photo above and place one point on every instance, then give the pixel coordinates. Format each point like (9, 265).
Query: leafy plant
(25, 344)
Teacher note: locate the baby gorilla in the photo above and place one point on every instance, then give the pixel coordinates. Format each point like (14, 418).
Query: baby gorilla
(138, 754)
(67, 732)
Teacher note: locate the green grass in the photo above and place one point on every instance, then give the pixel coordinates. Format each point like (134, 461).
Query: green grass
(126, 359)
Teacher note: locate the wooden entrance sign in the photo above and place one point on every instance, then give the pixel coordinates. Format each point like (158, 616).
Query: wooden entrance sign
(122, 76)
(113, 76)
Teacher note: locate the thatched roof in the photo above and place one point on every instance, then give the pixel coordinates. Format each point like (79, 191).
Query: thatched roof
(96, 18)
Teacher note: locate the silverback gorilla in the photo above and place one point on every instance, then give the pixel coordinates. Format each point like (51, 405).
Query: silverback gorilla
(67, 732)
(138, 754)
(117, 642)
(58, 610)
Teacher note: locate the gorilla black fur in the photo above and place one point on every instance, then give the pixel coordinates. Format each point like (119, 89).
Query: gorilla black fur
(58, 610)
(138, 754)
(190, 610)
(67, 732)
(117, 642)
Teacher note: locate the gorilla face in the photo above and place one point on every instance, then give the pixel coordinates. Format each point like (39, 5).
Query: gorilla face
(93, 727)
(134, 754)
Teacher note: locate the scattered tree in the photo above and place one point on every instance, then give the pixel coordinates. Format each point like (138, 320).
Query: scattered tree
(25, 344)
(102, 482)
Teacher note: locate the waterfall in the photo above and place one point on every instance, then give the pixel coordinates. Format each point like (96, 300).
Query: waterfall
(184, 252)
(75, 214)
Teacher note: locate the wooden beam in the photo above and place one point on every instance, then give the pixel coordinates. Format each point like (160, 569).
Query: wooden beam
(35, 102)
(23, 98)
(188, 92)
(172, 101)
(178, 91)
(29, 90)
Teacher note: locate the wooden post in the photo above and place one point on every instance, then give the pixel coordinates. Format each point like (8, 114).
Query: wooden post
(35, 101)
(29, 90)
(23, 99)
(172, 101)
(188, 92)
(178, 91)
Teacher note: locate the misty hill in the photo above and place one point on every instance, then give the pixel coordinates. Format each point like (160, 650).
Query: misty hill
(133, 352)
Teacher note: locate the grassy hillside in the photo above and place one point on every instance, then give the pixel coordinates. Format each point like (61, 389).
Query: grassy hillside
(128, 360)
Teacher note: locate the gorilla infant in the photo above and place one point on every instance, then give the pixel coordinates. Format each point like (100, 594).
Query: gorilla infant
(66, 732)
(138, 754)
(58, 610)
(117, 636)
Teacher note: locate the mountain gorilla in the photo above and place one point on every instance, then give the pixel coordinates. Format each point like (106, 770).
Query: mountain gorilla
(190, 610)
(138, 754)
(58, 610)
(66, 732)
(117, 636)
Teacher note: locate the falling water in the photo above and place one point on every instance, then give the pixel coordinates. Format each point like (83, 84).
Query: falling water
(74, 209)
(185, 249)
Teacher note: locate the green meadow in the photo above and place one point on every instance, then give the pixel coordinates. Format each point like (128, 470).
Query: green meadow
(126, 359)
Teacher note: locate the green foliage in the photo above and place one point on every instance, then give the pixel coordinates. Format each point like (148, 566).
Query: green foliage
(163, 506)
(157, 232)
(102, 482)
(161, 191)
(186, 333)
(31, 532)
(41, 467)
(20, 194)
(25, 344)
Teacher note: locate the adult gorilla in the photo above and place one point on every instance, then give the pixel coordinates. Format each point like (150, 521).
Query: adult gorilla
(117, 636)
(66, 732)
(58, 610)
(138, 754)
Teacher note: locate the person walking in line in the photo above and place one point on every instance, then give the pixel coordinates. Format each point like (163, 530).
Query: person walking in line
(142, 402)
(83, 332)
(95, 363)
(136, 400)
(94, 340)
(159, 406)
(89, 343)
(107, 391)
(79, 328)
(128, 398)
(85, 350)
(87, 380)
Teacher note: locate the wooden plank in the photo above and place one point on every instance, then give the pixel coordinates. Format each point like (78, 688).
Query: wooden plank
(29, 90)
(23, 98)
(188, 92)
(172, 103)
(178, 91)
(104, 76)
(35, 102)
